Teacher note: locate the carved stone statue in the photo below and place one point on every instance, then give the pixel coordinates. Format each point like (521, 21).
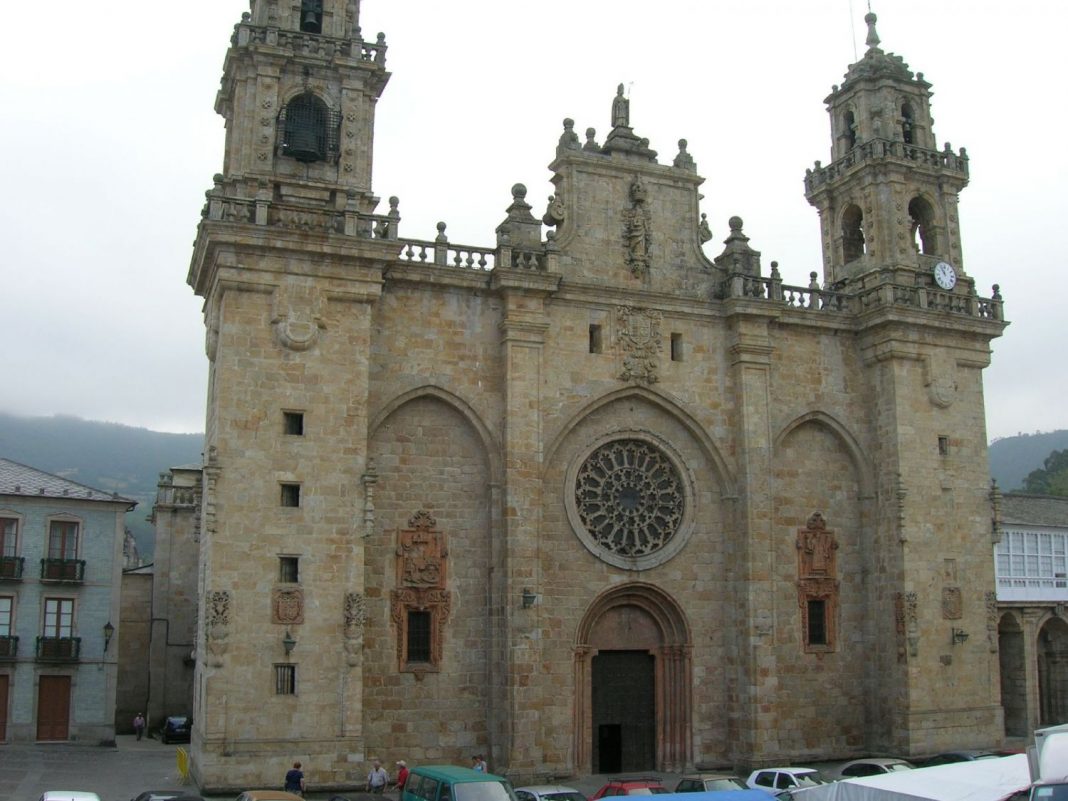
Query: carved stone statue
(620, 109)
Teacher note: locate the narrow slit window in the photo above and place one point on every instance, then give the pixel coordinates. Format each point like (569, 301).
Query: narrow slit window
(943, 446)
(676, 347)
(293, 423)
(291, 495)
(817, 622)
(596, 341)
(418, 636)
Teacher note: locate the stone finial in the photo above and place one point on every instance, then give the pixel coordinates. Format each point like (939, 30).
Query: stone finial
(568, 139)
(684, 161)
(441, 233)
(522, 229)
(737, 256)
(591, 145)
(873, 38)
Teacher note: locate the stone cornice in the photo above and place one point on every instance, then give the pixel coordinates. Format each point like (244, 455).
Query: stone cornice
(525, 281)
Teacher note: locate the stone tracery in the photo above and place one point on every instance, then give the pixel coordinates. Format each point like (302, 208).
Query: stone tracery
(629, 497)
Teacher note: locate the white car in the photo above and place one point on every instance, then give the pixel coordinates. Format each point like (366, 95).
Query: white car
(872, 766)
(548, 792)
(775, 780)
(69, 795)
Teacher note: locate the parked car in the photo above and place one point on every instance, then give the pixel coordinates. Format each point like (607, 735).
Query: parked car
(772, 780)
(968, 755)
(548, 792)
(166, 795)
(176, 730)
(630, 785)
(872, 766)
(268, 795)
(68, 795)
(705, 782)
(450, 783)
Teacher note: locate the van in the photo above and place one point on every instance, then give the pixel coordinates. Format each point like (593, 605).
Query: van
(451, 783)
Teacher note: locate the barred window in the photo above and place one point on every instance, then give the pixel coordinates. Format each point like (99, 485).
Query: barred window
(418, 636)
(285, 679)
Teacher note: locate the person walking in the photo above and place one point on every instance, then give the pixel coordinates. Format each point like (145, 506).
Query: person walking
(377, 779)
(402, 775)
(139, 725)
(295, 780)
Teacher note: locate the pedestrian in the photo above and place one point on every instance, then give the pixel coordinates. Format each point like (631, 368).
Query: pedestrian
(139, 725)
(295, 780)
(482, 766)
(476, 763)
(402, 775)
(377, 779)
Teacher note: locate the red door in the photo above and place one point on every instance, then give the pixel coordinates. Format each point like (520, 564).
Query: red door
(4, 682)
(53, 708)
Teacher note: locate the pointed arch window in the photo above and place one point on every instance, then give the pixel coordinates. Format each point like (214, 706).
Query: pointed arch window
(923, 227)
(311, 16)
(853, 244)
(908, 124)
(309, 129)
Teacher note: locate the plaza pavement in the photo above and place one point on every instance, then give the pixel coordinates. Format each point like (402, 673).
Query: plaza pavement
(119, 773)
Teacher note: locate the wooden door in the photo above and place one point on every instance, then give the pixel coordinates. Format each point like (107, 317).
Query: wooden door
(53, 708)
(4, 684)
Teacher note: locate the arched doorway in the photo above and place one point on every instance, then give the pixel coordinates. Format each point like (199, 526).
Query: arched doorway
(1053, 672)
(633, 683)
(1013, 676)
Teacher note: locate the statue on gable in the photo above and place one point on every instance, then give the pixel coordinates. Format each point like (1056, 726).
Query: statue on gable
(620, 109)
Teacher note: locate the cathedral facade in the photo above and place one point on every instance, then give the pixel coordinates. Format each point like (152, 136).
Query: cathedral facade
(584, 500)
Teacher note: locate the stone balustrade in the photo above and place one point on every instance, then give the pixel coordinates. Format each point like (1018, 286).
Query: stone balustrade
(296, 42)
(876, 149)
(443, 253)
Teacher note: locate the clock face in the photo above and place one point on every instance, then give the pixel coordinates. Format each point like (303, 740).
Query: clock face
(944, 275)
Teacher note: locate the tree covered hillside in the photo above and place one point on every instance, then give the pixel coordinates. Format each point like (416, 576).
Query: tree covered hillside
(106, 456)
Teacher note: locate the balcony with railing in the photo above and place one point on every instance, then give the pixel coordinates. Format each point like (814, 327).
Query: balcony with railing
(11, 568)
(70, 571)
(9, 647)
(59, 649)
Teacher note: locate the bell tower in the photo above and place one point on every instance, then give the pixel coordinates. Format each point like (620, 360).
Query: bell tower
(298, 94)
(888, 199)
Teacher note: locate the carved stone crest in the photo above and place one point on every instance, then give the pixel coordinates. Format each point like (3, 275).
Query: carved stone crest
(287, 606)
(636, 234)
(421, 553)
(816, 548)
(640, 343)
(297, 317)
(217, 626)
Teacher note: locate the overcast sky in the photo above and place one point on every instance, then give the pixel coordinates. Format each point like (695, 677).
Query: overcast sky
(110, 140)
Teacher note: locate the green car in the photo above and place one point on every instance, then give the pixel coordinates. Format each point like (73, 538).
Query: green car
(450, 783)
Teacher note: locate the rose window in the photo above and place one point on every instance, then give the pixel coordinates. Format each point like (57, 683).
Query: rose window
(629, 497)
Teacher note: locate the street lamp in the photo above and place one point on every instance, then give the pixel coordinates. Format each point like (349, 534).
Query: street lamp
(109, 632)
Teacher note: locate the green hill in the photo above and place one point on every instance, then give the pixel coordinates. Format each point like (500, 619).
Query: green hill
(1012, 458)
(106, 456)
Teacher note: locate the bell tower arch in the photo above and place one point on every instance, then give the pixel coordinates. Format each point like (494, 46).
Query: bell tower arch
(299, 89)
(888, 199)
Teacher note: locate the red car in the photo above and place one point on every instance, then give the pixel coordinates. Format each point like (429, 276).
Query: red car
(630, 785)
